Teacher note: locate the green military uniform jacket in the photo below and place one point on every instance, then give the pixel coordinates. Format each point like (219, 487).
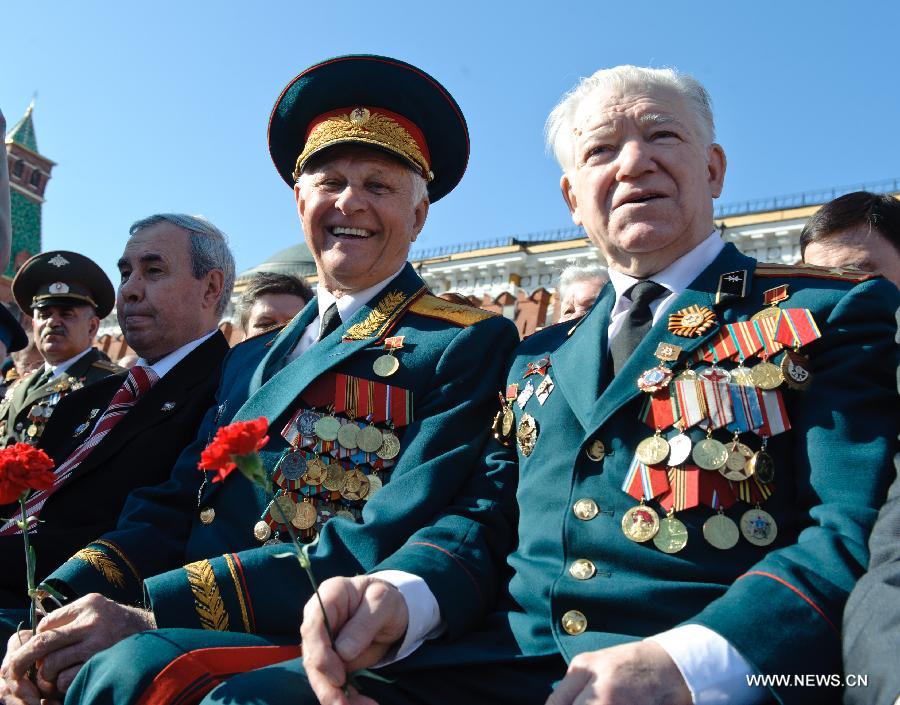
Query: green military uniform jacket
(26, 396)
(578, 584)
(451, 365)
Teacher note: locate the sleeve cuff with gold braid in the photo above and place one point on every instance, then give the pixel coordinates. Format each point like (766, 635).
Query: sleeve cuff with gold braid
(102, 567)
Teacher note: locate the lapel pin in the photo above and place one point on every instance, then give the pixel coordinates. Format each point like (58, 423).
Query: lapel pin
(81, 428)
(168, 406)
(93, 413)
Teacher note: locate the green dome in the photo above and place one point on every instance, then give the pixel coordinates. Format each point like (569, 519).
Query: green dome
(296, 260)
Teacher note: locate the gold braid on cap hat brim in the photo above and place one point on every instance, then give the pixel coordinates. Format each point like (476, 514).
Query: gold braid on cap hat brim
(378, 130)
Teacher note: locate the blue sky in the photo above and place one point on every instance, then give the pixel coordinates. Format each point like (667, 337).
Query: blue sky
(163, 106)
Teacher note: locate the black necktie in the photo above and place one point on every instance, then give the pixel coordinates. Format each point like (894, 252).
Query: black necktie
(331, 321)
(637, 322)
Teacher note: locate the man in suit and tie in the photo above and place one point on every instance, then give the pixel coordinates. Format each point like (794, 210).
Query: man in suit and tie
(378, 394)
(126, 430)
(67, 294)
(689, 506)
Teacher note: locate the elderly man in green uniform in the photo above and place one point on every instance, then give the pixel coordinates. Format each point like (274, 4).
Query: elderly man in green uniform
(694, 467)
(67, 294)
(379, 396)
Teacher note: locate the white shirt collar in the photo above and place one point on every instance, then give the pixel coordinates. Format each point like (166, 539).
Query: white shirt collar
(162, 366)
(349, 304)
(57, 370)
(678, 275)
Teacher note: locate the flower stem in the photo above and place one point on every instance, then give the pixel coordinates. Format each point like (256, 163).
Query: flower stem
(29, 566)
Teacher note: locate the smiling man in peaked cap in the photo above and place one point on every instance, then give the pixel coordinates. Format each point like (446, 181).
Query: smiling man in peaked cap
(378, 395)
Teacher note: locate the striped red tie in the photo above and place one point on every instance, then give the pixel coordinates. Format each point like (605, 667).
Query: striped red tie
(139, 380)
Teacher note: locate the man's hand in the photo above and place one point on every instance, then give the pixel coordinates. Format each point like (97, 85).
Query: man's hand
(641, 672)
(65, 639)
(367, 616)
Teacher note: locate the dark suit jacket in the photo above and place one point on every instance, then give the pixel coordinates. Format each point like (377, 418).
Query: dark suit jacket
(140, 450)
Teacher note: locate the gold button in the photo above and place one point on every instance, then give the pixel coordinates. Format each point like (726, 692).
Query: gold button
(582, 569)
(207, 515)
(586, 509)
(574, 622)
(596, 451)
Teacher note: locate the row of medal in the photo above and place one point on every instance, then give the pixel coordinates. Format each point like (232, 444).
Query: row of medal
(39, 413)
(681, 474)
(332, 466)
(505, 419)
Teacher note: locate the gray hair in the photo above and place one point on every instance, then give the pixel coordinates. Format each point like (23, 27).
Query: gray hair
(208, 248)
(559, 128)
(579, 273)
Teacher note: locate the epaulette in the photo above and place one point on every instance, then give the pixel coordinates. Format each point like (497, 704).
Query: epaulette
(772, 269)
(108, 366)
(436, 307)
(11, 375)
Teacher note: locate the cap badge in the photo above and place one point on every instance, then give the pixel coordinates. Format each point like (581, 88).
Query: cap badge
(58, 288)
(58, 261)
(359, 116)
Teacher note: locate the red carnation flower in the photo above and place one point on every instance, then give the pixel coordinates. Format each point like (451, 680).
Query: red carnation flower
(23, 468)
(232, 445)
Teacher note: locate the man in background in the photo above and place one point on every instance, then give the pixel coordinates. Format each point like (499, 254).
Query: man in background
(579, 287)
(860, 230)
(67, 294)
(270, 300)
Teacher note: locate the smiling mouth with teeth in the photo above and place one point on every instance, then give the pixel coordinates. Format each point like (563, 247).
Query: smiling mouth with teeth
(351, 233)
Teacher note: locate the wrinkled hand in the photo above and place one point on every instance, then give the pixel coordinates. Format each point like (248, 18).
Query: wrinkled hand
(641, 672)
(367, 616)
(65, 639)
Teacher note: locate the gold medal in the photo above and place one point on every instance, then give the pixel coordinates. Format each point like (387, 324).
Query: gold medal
(261, 531)
(385, 365)
(763, 466)
(356, 485)
(527, 434)
(509, 418)
(736, 466)
(347, 435)
(795, 370)
(315, 472)
(390, 446)
(640, 523)
(759, 527)
(709, 454)
(305, 516)
(653, 450)
(207, 515)
(672, 535)
(334, 476)
(369, 439)
(32, 431)
(691, 322)
(283, 509)
(721, 532)
(765, 375)
(327, 428)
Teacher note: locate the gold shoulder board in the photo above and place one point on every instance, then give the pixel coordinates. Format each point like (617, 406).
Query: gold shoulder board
(771, 269)
(461, 315)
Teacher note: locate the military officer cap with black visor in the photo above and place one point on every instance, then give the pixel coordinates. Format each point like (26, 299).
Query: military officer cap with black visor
(61, 278)
(374, 101)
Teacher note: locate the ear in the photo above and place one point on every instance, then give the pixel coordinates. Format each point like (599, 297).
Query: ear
(298, 197)
(214, 283)
(568, 194)
(716, 166)
(93, 327)
(419, 216)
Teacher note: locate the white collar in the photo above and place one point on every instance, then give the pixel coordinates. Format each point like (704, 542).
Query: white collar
(57, 370)
(678, 275)
(349, 304)
(162, 366)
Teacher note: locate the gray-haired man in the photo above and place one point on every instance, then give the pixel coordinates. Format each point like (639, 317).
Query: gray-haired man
(176, 278)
